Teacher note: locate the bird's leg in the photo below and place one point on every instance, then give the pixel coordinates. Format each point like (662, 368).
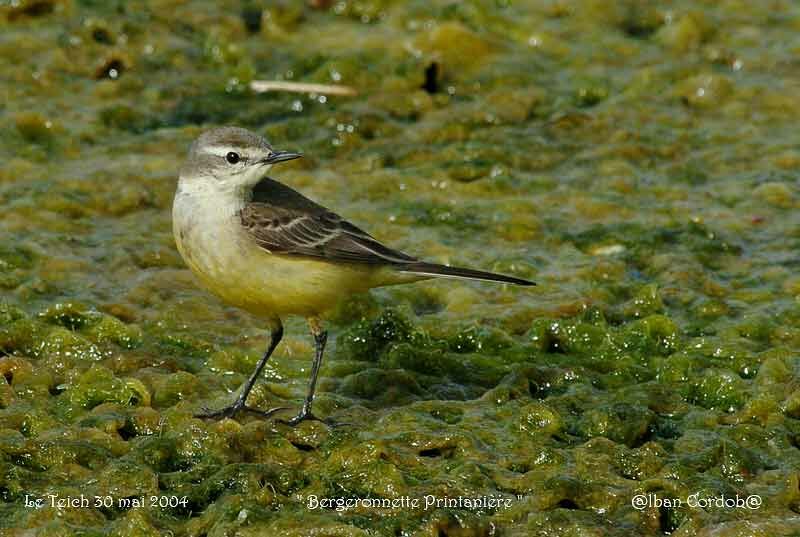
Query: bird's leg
(320, 337)
(275, 337)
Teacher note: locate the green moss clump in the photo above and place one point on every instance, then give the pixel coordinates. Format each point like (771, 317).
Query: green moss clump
(180, 344)
(677, 369)
(590, 94)
(70, 315)
(111, 330)
(447, 413)
(169, 389)
(230, 361)
(161, 453)
(641, 21)
(354, 308)
(143, 421)
(718, 389)
(621, 422)
(62, 347)
(455, 46)
(126, 479)
(223, 107)
(653, 334)
(479, 339)
(134, 523)
(736, 462)
(538, 419)
(567, 337)
(14, 480)
(99, 385)
(642, 462)
(16, 257)
(9, 313)
(127, 118)
(380, 387)
(106, 417)
(705, 90)
(646, 301)
(791, 406)
(426, 361)
(426, 213)
(36, 128)
(368, 339)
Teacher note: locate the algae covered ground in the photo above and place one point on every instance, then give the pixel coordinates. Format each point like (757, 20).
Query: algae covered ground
(639, 160)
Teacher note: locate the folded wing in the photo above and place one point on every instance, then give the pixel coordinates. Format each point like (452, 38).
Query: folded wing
(283, 221)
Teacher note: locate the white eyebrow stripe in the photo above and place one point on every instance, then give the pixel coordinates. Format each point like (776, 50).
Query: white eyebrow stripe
(222, 150)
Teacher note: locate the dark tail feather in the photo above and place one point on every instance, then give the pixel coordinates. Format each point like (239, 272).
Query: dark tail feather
(432, 269)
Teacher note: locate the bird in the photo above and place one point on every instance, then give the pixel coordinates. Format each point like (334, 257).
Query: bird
(263, 247)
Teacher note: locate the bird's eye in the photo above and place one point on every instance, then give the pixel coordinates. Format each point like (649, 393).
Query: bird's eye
(233, 157)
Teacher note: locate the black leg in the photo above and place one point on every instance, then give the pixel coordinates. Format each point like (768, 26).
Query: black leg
(275, 337)
(320, 337)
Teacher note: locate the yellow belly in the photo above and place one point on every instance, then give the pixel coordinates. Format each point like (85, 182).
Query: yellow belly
(232, 266)
(270, 285)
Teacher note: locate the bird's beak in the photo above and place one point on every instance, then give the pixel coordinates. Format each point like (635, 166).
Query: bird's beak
(280, 156)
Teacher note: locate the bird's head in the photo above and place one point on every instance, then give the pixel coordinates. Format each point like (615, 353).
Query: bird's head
(229, 158)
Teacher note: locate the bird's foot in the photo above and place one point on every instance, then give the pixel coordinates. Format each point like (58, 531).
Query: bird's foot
(230, 411)
(306, 415)
(302, 416)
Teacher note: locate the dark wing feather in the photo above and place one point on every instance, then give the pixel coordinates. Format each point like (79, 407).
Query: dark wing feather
(283, 221)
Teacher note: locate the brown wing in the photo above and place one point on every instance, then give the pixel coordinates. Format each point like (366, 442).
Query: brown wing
(283, 221)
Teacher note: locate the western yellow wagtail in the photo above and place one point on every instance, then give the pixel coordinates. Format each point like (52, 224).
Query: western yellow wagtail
(264, 247)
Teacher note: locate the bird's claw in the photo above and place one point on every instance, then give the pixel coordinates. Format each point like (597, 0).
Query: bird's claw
(227, 412)
(302, 416)
(308, 416)
(230, 411)
(265, 413)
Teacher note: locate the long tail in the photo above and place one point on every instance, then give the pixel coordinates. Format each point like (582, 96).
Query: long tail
(432, 269)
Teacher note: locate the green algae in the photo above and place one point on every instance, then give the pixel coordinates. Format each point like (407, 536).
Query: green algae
(99, 385)
(637, 160)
